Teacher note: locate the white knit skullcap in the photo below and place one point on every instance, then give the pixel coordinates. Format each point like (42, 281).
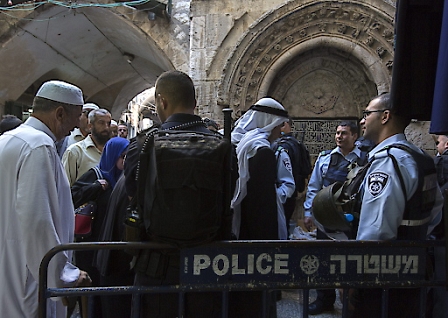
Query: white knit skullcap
(62, 92)
(90, 106)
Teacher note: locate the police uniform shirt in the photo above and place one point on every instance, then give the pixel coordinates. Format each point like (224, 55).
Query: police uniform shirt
(383, 200)
(285, 189)
(320, 171)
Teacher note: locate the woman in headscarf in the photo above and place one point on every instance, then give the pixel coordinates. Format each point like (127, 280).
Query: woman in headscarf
(97, 185)
(258, 212)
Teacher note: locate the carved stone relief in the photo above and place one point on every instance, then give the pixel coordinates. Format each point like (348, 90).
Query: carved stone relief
(322, 82)
(321, 89)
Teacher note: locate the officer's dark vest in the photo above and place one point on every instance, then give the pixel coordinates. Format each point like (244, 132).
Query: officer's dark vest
(417, 214)
(338, 167)
(441, 163)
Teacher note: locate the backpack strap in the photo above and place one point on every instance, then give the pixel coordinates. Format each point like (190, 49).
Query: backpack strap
(409, 221)
(278, 150)
(145, 157)
(397, 168)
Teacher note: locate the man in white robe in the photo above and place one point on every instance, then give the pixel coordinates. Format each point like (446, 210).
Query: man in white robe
(37, 210)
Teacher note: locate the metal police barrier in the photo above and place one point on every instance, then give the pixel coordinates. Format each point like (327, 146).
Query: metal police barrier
(275, 265)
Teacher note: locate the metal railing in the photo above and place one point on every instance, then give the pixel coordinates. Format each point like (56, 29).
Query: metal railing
(274, 265)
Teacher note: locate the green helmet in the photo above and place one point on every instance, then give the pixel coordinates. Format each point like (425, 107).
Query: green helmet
(328, 211)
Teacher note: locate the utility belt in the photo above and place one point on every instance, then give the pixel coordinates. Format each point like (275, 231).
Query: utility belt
(155, 263)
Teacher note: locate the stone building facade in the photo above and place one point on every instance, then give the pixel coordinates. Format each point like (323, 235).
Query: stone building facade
(323, 60)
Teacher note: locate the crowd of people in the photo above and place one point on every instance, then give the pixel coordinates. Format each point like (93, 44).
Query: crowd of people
(69, 153)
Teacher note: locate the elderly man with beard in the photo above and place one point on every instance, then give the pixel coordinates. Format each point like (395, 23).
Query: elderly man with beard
(79, 133)
(83, 155)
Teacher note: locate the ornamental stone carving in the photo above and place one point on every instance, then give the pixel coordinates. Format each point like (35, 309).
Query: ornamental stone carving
(360, 25)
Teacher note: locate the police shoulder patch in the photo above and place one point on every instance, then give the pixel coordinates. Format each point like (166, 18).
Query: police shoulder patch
(287, 164)
(376, 182)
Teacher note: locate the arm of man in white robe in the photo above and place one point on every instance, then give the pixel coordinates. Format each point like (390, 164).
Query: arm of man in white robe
(44, 221)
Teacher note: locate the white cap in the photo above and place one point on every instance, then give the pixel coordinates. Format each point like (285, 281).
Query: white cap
(90, 106)
(113, 123)
(63, 92)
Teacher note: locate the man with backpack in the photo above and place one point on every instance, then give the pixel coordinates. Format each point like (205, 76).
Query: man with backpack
(177, 180)
(331, 166)
(300, 162)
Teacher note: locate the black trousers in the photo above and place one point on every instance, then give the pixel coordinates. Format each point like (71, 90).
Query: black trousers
(118, 306)
(327, 296)
(403, 302)
(165, 305)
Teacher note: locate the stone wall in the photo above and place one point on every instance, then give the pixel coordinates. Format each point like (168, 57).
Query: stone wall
(241, 53)
(418, 134)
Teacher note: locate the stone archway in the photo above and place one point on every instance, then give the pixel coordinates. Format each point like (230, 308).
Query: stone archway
(323, 81)
(113, 52)
(345, 47)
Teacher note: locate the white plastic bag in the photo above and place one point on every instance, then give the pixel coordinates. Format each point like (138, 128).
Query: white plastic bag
(300, 234)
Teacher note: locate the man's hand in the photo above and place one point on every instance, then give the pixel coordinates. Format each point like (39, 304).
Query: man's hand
(104, 183)
(308, 222)
(83, 280)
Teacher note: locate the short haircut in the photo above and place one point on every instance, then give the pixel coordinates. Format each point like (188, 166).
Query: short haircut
(385, 102)
(210, 122)
(351, 124)
(291, 122)
(177, 87)
(9, 122)
(97, 112)
(44, 105)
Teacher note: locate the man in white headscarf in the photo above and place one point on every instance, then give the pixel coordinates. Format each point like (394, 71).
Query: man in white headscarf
(264, 182)
(263, 186)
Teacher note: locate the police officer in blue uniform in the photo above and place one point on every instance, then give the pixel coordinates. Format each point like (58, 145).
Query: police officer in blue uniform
(440, 294)
(399, 198)
(331, 166)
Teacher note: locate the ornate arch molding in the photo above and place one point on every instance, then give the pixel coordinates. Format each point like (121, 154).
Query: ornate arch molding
(327, 68)
(275, 39)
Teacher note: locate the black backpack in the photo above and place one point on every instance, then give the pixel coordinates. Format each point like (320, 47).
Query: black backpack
(183, 186)
(300, 160)
(417, 208)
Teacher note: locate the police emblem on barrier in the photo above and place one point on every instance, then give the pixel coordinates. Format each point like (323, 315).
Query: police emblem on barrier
(309, 264)
(377, 182)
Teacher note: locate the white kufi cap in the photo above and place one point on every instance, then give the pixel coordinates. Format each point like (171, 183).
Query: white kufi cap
(90, 106)
(62, 92)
